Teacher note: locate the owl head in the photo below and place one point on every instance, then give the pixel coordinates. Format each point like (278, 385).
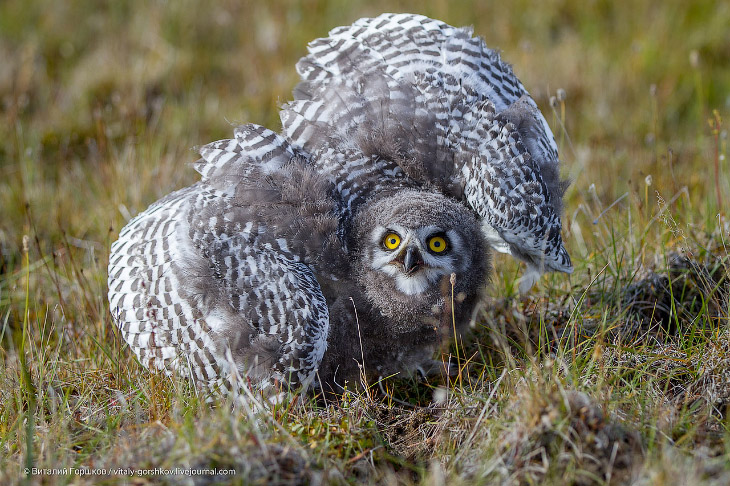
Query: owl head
(410, 242)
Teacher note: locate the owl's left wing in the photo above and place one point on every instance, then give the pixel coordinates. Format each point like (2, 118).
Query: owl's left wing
(447, 112)
(464, 148)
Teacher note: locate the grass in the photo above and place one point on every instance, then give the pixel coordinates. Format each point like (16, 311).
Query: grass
(618, 374)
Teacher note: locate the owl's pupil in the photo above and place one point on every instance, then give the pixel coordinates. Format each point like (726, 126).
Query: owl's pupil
(437, 244)
(392, 241)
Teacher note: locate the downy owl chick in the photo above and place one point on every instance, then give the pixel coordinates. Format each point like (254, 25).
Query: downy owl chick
(408, 247)
(410, 149)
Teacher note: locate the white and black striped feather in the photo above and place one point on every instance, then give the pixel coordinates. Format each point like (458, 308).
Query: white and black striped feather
(209, 269)
(435, 102)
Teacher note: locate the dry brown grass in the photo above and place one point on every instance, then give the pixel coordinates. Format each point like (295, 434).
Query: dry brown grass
(616, 375)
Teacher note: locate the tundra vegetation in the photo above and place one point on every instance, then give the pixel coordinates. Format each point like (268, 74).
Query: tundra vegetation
(618, 374)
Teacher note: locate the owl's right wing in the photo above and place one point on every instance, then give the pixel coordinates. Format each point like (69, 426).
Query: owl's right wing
(205, 281)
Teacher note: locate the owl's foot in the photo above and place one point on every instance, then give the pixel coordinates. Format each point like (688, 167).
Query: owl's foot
(438, 369)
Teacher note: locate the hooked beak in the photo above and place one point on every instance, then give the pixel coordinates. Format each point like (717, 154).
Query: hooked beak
(410, 259)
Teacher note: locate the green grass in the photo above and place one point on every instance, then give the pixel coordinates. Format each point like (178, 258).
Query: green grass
(618, 374)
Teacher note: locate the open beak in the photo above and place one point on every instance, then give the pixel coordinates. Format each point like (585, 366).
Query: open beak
(410, 259)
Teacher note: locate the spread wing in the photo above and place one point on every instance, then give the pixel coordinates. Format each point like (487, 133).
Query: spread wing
(206, 281)
(437, 107)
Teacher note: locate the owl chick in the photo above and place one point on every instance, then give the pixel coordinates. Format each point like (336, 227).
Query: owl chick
(357, 242)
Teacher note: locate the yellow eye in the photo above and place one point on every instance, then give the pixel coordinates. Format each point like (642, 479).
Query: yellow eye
(437, 244)
(391, 241)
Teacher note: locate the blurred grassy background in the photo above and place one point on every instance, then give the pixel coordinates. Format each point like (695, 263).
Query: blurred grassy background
(101, 103)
